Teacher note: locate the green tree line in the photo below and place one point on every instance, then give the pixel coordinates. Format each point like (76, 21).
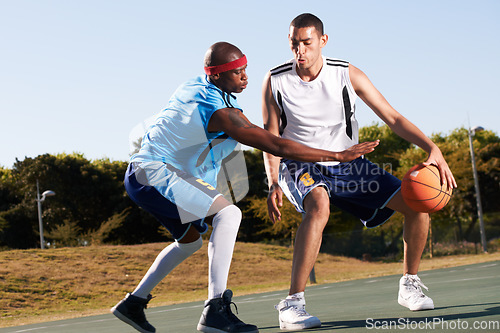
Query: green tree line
(91, 206)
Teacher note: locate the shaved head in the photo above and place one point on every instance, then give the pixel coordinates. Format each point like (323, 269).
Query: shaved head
(225, 66)
(221, 53)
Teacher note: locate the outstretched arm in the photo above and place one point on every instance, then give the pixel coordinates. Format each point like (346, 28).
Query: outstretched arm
(234, 123)
(399, 124)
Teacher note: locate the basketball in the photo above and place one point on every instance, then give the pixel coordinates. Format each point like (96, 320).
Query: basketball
(422, 191)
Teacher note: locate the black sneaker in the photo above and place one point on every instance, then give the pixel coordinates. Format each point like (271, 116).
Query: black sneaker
(131, 311)
(217, 317)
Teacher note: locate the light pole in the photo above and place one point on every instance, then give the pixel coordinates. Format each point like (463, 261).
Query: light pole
(39, 202)
(472, 132)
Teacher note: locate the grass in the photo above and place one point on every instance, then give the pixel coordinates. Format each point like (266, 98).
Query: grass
(42, 285)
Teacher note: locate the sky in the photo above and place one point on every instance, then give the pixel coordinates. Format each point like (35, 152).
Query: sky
(83, 76)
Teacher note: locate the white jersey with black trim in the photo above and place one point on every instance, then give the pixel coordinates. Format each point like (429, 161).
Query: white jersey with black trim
(319, 113)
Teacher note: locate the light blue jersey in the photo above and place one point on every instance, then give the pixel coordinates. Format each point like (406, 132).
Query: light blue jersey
(179, 135)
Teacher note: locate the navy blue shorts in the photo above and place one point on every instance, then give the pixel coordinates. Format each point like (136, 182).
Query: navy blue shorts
(359, 187)
(152, 201)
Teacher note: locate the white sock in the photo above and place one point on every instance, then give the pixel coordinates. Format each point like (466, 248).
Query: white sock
(165, 262)
(296, 295)
(220, 248)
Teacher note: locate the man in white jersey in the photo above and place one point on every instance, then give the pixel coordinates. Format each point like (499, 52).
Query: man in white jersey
(311, 99)
(174, 177)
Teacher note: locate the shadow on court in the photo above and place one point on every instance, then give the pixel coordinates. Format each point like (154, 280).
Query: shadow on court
(465, 317)
(467, 299)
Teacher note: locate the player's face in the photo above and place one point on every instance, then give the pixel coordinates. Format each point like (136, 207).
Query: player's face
(233, 81)
(306, 44)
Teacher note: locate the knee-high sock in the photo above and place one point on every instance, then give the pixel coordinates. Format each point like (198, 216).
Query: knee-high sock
(220, 248)
(165, 262)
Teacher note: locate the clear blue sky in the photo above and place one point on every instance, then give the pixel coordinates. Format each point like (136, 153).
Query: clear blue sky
(78, 76)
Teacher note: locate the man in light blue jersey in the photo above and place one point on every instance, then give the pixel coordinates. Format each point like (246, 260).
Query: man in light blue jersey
(174, 177)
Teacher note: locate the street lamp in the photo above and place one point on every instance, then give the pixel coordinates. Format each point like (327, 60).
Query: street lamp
(472, 132)
(39, 201)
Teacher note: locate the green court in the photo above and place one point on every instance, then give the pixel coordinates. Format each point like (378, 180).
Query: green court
(467, 299)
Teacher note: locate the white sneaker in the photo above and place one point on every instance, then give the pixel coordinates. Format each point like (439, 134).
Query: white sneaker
(411, 295)
(293, 315)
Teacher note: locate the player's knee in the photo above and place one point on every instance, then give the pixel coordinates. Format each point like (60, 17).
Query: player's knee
(318, 205)
(192, 247)
(424, 217)
(398, 204)
(229, 217)
(416, 219)
(411, 214)
(234, 212)
(318, 196)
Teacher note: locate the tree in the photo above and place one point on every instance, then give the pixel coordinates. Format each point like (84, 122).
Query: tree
(87, 194)
(386, 154)
(463, 208)
(282, 229)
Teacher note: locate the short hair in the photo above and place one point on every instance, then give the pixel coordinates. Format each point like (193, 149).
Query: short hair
(308, 20)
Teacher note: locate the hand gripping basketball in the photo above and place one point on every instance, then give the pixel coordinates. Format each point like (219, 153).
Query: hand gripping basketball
(422, 189)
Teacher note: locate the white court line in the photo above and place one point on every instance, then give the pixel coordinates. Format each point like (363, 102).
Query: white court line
(272, 295)
(468, 279)
(151, 311)
(63, 325)
(490, 265)
(372, 281)
(478, 278)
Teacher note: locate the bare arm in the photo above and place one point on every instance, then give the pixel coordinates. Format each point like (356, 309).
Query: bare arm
(271, 116)
(234, 123)
(399, 124)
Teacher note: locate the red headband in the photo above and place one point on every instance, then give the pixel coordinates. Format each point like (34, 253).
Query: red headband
(212, 70)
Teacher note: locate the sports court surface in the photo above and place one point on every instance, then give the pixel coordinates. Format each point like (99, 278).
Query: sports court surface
(467, 299)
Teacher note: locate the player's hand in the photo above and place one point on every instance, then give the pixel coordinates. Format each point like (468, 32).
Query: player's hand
(358, 150)
(436, 158)
(274, 202)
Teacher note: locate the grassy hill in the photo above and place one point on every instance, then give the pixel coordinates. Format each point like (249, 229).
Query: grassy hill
(41, 285)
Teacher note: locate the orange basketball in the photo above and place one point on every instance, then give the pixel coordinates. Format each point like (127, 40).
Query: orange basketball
(422, 191)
